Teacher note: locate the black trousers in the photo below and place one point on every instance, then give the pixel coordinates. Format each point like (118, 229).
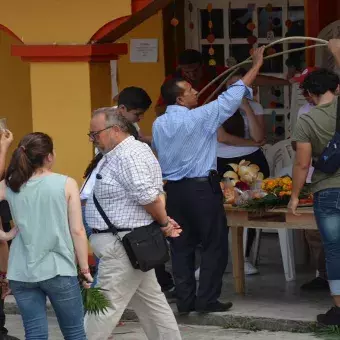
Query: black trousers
(201, 215)
(260, 160)
(164, 278)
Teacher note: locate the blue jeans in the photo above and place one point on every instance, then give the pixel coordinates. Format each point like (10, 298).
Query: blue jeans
(88, 234)
(64, 294)
(327, 215)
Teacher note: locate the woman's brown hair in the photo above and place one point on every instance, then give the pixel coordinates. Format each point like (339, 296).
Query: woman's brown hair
(27, 158)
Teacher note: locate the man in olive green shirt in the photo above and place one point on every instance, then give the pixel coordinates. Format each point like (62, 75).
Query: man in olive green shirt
(312, 133)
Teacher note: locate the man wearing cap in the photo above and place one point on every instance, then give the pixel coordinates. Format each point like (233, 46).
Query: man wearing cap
(191, 68)
(313, 237)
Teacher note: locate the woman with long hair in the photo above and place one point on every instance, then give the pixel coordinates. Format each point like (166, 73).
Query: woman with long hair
(46, 209)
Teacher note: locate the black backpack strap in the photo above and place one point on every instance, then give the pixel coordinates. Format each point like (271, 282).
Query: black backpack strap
(338, 116)
(111, 227)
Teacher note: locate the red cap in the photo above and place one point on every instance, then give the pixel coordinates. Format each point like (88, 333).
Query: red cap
(301, 77)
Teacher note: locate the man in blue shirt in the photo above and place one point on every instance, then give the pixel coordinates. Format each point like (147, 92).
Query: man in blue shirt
(185, 139)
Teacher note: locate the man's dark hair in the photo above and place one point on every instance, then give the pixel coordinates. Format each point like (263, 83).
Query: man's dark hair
(134, 98)
(320, 81)
(171, 91)
(188, 57)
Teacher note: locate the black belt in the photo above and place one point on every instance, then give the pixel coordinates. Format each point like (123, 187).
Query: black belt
(193, 179)
(98, 231)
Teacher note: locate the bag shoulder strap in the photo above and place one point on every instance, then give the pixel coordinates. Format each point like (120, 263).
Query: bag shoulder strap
(338, 116)
(104, 216)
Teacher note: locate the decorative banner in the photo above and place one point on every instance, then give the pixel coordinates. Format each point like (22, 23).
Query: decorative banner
(211, 36)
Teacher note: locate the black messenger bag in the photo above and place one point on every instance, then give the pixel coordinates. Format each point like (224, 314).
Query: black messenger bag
(145, 246)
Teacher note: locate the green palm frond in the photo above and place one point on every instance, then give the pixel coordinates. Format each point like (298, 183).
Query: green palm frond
(95, 302)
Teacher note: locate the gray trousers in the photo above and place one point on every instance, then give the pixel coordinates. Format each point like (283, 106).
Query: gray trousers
(123, 285)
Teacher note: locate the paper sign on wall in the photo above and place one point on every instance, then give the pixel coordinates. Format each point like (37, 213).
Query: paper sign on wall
(144, 50)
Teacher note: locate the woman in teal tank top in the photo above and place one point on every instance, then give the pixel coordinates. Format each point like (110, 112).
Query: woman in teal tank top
(42, 263)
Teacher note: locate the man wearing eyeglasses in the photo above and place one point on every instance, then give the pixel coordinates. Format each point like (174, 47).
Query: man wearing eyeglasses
(132, 102)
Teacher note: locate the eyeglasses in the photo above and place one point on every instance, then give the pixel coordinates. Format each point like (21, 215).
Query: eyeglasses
(94, 134)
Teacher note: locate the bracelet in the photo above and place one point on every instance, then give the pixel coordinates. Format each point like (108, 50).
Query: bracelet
(3, 275)
(163, 225)
(85, 270)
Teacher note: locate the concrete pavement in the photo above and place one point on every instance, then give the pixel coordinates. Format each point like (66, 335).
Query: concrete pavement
(132, 331)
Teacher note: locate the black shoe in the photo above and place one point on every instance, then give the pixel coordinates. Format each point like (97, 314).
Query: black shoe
(317, 284)
(331, 318)
(215, 307)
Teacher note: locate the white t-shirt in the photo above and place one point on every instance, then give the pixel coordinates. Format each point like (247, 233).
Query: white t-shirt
(88, 185)
(231, 151)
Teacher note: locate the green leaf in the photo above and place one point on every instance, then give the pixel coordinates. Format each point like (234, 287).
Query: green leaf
(95, 301)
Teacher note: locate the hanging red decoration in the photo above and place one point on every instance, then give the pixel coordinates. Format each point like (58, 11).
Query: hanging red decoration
(251, 26)
(212, 62)
(271, 51)
(269, 8)
(211, 38)
(210, 24)
(209, 7)
(289, 23)
(191, 25)
(174, 22)
(211, 51)
(252, 40)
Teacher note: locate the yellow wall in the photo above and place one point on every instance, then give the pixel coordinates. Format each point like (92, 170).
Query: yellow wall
(15, 94)
(149, 76)
(61, 107)
(59, 21)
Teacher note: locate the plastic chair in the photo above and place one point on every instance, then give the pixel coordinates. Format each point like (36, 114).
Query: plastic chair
(279, 156)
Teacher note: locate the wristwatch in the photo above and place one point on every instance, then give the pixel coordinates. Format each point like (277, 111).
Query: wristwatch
(163, 225)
